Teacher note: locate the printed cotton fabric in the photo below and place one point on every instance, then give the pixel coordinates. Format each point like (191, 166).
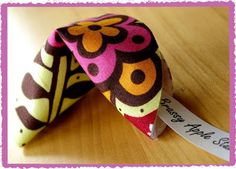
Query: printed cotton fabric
(116, 53)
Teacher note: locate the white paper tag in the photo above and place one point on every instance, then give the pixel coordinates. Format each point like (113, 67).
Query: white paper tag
(192, 128)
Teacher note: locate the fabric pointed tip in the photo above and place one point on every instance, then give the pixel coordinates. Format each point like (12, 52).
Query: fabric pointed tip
(48, 89)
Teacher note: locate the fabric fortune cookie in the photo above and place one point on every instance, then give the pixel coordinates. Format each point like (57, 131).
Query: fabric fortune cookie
(116, 53)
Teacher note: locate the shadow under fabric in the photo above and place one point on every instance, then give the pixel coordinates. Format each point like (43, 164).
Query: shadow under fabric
(116, 53)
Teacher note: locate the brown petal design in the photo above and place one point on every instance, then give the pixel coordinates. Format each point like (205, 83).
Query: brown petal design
(31, 89)
(78, 89)
(29, 121)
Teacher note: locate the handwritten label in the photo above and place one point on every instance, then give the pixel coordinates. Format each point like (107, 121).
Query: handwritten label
(222, 142)
(175, 115)
(192, 128)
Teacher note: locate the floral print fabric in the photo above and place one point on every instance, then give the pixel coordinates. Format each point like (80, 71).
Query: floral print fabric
(120, 56)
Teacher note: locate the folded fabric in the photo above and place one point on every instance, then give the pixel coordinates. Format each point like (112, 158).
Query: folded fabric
(116, 53)
(54, 82)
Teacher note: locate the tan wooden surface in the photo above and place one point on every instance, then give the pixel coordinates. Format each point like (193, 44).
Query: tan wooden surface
(194, 42)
